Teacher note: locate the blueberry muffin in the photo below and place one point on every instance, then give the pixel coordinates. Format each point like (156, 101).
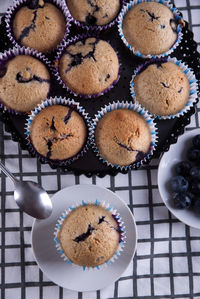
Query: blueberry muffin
(89, 66)
(89, 236)
(39, 25)
(58, 132)
(24, 83)
(150, 28)
(122, 137)
(94, 12)
(163, 88)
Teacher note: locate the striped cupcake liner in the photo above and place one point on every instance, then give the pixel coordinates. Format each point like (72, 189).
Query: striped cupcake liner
(142, 112)
(49, 102)
(96, 28)
(177, 17)
(10, 54)
(19, 3)
(115, 215)
(61, 50)
(193, 92)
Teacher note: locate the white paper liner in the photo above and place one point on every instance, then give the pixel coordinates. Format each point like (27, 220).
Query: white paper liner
(49, 102)
(11, 53)
(18, 3)
(61, 49)
(116, 216)
(142, 112)
(96, 28)
(193, 91)
(177, 17)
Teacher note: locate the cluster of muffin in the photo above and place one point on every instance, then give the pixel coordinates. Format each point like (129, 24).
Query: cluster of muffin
(164, 86)
(88, 67)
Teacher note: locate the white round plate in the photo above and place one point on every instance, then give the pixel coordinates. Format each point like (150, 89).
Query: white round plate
(166, 171)
(71, 276)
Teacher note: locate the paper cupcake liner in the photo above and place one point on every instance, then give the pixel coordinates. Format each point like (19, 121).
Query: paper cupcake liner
(191, 79)
(18, 4)
(115, 215)
(142, 112)
(61, 50)
(11, 53)
(97, 28)
(49, 102)
(177, 16)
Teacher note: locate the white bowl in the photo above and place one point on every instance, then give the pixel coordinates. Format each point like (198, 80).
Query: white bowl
(166, 171)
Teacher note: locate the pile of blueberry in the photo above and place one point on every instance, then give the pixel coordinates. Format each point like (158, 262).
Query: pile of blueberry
(186, 184)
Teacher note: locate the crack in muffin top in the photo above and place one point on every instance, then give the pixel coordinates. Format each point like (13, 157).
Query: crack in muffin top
(89, 66)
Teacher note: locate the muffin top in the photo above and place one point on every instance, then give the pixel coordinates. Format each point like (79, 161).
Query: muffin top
(150, 28)
(89, 235)
(39, 25)
(58, 132)
(122, 137)
(163, 88)
(89, 66)
(24, 83)
(94, 12)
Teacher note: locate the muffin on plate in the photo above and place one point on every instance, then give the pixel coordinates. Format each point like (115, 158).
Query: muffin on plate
(162, 88)
(39, 25)
(94, 12)
(24, 83)
(150, 28)
(89, 67)
(90, 235)
(58, 132)
(122, 137)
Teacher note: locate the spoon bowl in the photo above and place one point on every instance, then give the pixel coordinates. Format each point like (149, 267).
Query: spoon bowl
(32, 199)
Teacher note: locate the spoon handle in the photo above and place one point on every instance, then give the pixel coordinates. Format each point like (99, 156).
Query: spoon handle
(8, 173)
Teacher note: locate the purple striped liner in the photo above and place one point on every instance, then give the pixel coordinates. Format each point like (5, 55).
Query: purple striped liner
(49, 102)
(96, 28)
(142, 112)
(61, 50)
(19, 3)
(177, 16)
(10, 54)
(115, 215)
(193, 91)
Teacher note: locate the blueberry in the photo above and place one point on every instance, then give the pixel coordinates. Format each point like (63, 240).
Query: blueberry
(179, 184)
(90, 20)
(193, 154)
(195, 172)
(179, 91)
(77, 59)
(192, 197)
(195, 187)
(181, 200)
(3, 71)
(196, 141)
(34, 4)
(52, 127)
(183, 168)
(197, 204)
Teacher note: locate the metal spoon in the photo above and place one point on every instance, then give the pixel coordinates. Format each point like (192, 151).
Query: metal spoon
(30, 197)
